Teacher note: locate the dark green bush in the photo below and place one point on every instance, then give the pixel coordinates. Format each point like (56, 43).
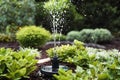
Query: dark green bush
(119, 34)
(5, 38)
(16, 13)
(98, 14)
(15, 65)
(32, 36)
(95, 35)
(73, 35)
(87, 35)
(59, 37)
(102, 35)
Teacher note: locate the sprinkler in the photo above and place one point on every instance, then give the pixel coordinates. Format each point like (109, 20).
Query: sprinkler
(55, 64)
(50, 70)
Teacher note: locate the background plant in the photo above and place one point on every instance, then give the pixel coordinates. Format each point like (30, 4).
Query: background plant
(67, 13)
(5, 38)
(73, 35)
(16, 13)
(16, 65)
(93, 15)
(98, 14)
(59, 37)
(32, 36)
(95, 35)
(56, 5)
(87, 35)
(56, 10)
(103, 35)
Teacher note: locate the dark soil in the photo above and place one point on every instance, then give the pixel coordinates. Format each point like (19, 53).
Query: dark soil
(114, 44)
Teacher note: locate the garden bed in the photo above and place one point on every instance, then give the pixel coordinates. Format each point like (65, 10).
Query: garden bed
(35, 76)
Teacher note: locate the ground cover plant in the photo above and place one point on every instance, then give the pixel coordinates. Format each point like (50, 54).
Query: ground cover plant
(71, 53)
(16, 65)
(92, 64)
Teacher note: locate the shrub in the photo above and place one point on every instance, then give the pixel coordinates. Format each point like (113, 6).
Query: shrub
(87, 35)
(32, 36)
(15, 65)
(5, 38)
(73, 35)
(59, 37)
(95, 35)
(17, 13)
(102, 35)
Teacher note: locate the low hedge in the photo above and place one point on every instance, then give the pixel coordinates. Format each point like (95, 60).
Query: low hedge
(91, 35)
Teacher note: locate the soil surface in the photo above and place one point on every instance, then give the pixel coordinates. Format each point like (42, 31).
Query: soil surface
(114, 44)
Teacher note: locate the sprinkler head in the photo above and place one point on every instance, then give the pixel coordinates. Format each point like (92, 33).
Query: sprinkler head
(55, 63)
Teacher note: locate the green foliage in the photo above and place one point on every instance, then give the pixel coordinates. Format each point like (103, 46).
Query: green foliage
(117, 34)
(57, 5)
(98, 14)
(67, 13)
(5, 37)
(103, 35)
(16, 13)
(32, 36)
(95, 35)
(71, 53)
(81, 74)
(41, 17)
(15, 65)
(59, 37)
(73, 35)
(103, 65)
(87, 35)
(8, 35)
(64, 75)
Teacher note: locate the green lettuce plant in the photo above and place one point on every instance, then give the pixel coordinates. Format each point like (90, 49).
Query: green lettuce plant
(15, 65)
